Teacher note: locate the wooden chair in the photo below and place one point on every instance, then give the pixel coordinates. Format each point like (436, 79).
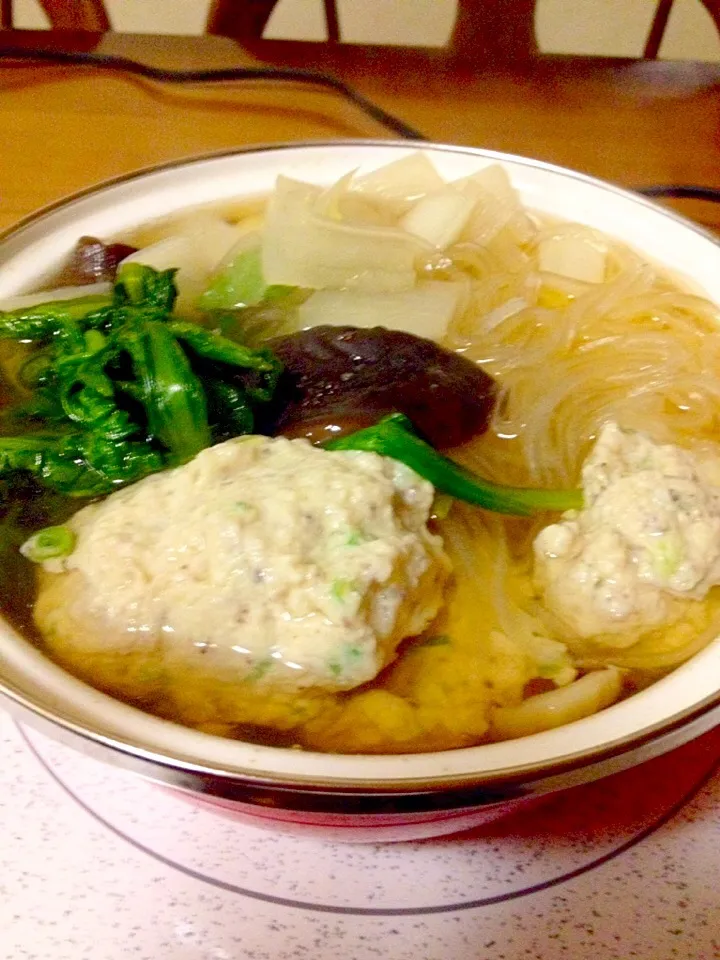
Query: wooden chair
(660, 22)
(497, 29)
(482, 27)
(65, 15)
(247, 19)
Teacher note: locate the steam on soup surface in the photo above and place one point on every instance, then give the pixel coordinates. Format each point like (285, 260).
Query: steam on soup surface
(334, 599)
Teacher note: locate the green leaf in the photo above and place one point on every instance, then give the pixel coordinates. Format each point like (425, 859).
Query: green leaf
(230, 412)
(394, 436)
(108, 464)
(87, 393)
(79, 464)
(23, 453)
(213, 346)
(262, 364)
(138, 285)
(47, 320)
(240, 284)
(173, 396)
(127, 389)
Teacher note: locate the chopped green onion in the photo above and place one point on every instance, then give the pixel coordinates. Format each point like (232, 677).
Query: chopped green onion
(436, 640)
(341, 590)
(51, 543)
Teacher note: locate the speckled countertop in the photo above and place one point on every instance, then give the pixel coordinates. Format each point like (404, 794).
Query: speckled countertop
(98, 865)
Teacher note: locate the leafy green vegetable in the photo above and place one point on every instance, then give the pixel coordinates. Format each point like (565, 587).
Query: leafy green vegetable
(141, 286)
(22, 453)
(230, 409)
(241, 284)
(395, 437)
(105, 465)
(47, 320)
(49, 543)
(79, 464)
(85, 391)
(119, 388)
(172, 394)
(212, 346)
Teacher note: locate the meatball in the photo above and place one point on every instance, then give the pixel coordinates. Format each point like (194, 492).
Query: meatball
(261, 567)
(649, 534)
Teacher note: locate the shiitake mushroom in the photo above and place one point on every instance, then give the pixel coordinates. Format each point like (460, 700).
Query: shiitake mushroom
(93, 261)
(340, 379)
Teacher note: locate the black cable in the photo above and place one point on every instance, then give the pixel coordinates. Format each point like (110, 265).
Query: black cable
(291, 75)
(682, 192)
(221, 75)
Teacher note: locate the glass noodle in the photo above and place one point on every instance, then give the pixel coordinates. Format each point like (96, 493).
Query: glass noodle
(577, 329)
(571, 356)
(626, 344)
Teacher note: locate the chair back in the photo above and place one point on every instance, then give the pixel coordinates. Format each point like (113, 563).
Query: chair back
(660, 24)
(65, 15)
(247, 19)
(484, 29)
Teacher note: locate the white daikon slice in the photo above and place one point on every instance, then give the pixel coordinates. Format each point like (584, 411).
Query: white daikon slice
(495, 204)
(579, 257)
(301, 248)
(399, 184)
(425, 310)
(439, 218)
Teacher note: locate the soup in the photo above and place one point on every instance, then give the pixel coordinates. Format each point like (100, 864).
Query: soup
(514, 624)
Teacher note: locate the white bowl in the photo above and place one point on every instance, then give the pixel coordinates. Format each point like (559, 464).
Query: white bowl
(359, 797)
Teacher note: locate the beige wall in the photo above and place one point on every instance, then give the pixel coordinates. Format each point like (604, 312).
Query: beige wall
(610, 27)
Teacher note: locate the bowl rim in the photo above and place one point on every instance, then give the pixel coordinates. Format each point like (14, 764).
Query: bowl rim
(30, 219)
(306, 792)
(506, 777)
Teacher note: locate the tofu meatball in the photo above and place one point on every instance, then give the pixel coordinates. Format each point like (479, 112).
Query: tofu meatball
(648, 535)
(263, 564)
